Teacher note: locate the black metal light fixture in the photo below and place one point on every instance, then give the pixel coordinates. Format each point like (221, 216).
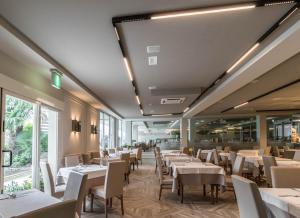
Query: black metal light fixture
(94, 129)
(76, 126)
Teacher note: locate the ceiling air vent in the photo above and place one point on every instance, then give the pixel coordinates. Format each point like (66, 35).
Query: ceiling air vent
(152, 60)
(172, 100)
(153, 49)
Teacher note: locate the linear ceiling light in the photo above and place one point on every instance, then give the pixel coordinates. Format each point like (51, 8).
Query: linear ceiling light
(138, 99)
(201, 12)
(161, 115)
(241, 105)
(118, 37)
(290, 14)
(128, 69)
(185, 110)
(243, 57)
(142, 112)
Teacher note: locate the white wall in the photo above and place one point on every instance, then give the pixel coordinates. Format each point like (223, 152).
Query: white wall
(21, 80)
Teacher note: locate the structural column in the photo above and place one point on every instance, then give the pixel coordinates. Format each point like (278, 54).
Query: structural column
(183, 132)
(261, 130)
(128, 132)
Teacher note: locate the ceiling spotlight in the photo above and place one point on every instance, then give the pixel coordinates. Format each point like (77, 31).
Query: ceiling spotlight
(128, 69)
(243, 57)
(241, 105)
(201, 12)
(278, 3)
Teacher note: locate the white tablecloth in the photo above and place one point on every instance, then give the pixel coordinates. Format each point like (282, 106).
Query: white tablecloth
(194, 168)
(93, 171)
(287, 200)
(170, 159)
(174, 155)
(169, 151)
(245, 153)
(25, 202)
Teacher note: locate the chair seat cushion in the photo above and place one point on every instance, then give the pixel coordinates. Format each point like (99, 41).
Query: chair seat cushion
(98, 191)
(167, 180)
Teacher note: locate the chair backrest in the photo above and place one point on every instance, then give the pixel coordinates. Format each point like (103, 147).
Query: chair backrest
(237, 168)
(276, 151)
(114, 180)
(157, 149)
(268, 161)
(215, 156)
(285, 177)
(209, 157)
(227, 149)
(159, 169)
(111, 151)
(49, 186)
(198, 153)
(86, 158)
(286, 148)
(95, 154)
(261, 152)
(248, 198)
(126, 158)
(65, 209)
(297, 156)
(71, 160)
(139, 153)
(75, 189)
(185, 150)
(232, 156)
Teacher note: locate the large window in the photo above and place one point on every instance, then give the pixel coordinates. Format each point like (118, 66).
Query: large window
(109, 131)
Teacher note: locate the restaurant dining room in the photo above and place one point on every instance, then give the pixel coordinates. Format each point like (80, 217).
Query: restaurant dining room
(135, 108)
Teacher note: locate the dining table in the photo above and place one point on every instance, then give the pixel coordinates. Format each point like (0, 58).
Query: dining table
(195, 173)
(23, 202)
(283, 202)
(96, 176)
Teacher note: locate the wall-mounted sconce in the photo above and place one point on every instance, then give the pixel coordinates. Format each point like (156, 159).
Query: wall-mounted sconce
(93, 129)
(76, 126)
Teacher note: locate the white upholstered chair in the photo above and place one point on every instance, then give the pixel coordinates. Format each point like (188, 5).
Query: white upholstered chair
(237, 169)
(113, 185)
(75, 190)
(126, 158)
(71, 160)
(139, 156)
(49, 184)
(268, 161)
(285, 177)
(209, 157)
(248, 197)
(165, 181)
(65, 209)
(198, 155)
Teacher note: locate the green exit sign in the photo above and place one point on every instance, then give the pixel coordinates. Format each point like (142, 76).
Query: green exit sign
(56, 78)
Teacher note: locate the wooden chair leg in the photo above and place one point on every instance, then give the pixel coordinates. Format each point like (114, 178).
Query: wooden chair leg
(204, 190)
(105, 209)
(212, 193)
(181, 185)
(122, 206)
(160, 190)
(128, 178)
(217, 193)
(84, 203)
(92, 202)
(110, 202)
